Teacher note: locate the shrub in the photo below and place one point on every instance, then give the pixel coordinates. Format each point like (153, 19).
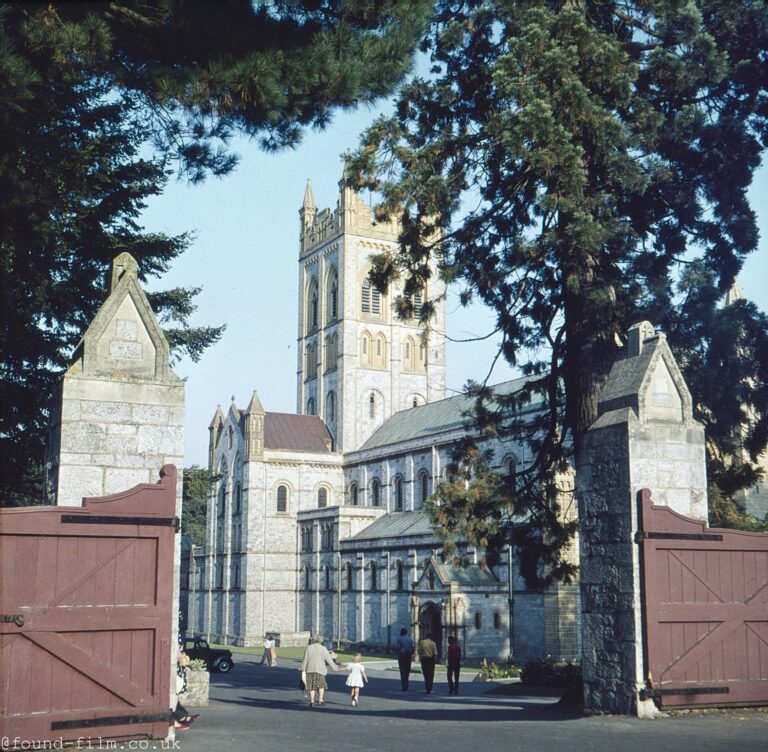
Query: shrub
(544, 672)
(494, 671)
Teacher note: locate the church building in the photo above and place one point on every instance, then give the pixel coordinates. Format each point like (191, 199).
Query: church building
(316, 525)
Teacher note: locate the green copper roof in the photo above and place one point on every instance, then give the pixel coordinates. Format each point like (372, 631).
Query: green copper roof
(434, 417)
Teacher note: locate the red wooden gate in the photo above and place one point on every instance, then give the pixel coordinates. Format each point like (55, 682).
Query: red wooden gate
(86, 604)
(705, 598)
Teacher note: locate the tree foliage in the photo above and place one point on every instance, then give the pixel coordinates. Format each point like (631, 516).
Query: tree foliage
(564, 161)
(75, 184)
(202, 71)
(197, 484)
(85, 90)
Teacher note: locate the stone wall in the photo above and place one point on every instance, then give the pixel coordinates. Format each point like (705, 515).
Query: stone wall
(645, 436)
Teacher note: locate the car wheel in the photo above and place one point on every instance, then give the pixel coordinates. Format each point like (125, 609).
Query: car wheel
(224, 665)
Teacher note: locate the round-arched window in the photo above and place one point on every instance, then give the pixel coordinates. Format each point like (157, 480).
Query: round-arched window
(282, 498)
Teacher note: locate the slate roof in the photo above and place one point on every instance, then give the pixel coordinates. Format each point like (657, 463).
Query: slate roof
(300, 433)
(434, 417)
(470, 575)
(396, 525)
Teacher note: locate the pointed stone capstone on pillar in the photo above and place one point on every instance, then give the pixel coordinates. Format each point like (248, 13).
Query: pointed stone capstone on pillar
(118, 414)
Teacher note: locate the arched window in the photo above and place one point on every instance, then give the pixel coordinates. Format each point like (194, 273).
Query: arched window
(431, 579)
(311, 406)
(399, 494)
(322, 498)
(222, 500)
(327, 577)
(380, 357)
(409, 354)
(332, 296)
(353, 494)
(331, 353)
(422, 363)
(375, 493)
(350, 579)
(374, 581)
(370, 299)
(238, 498)
(511, 473)
(282, 499)
(313, 306)
(307, 578)
(311, 368)
(399, 579)
(230, 437)
(365, 349)
(372, 405)
(478, 620)
(330, 409)
(423, 486)
(418, 303)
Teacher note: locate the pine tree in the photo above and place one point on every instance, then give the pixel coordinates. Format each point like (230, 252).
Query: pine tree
(73, 184)
(198, 482)
(563, 161)
(201, 71)
(84, 87)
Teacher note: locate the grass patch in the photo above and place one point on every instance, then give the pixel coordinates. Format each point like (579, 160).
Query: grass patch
(343, 656)
(297, 651)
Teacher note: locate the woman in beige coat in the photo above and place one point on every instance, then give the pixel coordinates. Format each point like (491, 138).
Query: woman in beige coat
(314, 667)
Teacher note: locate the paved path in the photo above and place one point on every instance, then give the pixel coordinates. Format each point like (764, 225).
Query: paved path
(258, 709)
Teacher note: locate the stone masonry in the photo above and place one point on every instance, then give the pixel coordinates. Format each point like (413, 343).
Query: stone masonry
(118, 416)
(644, 437)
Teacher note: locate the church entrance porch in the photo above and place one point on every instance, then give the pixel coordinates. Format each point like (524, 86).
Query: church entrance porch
(431, 622)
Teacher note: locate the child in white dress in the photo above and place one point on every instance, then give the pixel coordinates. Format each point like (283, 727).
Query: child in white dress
(356, 678)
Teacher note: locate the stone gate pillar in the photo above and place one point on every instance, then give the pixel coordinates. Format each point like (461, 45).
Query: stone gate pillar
(644, 437)
(118, 415)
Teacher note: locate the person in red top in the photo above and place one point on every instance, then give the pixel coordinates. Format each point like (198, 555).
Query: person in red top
(453, 662)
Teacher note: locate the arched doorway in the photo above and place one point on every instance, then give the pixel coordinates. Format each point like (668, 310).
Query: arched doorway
(431, 622)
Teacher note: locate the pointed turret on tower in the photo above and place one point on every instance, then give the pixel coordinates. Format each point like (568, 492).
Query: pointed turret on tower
(733, 294)
(307, 215)
(254, 429)
(214, 432)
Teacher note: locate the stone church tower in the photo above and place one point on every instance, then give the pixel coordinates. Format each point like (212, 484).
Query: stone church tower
(358, 363)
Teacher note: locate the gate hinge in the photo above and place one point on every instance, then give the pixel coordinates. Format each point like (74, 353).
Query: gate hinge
(81, 519)
(17, 619)
(643, 535)
(651, 693)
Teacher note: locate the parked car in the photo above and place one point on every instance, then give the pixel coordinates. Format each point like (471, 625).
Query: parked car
(216, 659)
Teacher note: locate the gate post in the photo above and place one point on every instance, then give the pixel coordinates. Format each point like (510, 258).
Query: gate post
(644, 437)
(118, 415)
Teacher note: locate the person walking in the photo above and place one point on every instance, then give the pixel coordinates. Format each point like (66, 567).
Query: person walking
(356, 678)
(428, 657)
(404, 645)
(266, 656)
(314, 667)
(182, 720)
(453, 664)
(273, 653)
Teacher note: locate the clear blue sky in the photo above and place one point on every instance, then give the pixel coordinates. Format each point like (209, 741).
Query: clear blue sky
(244, 256)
